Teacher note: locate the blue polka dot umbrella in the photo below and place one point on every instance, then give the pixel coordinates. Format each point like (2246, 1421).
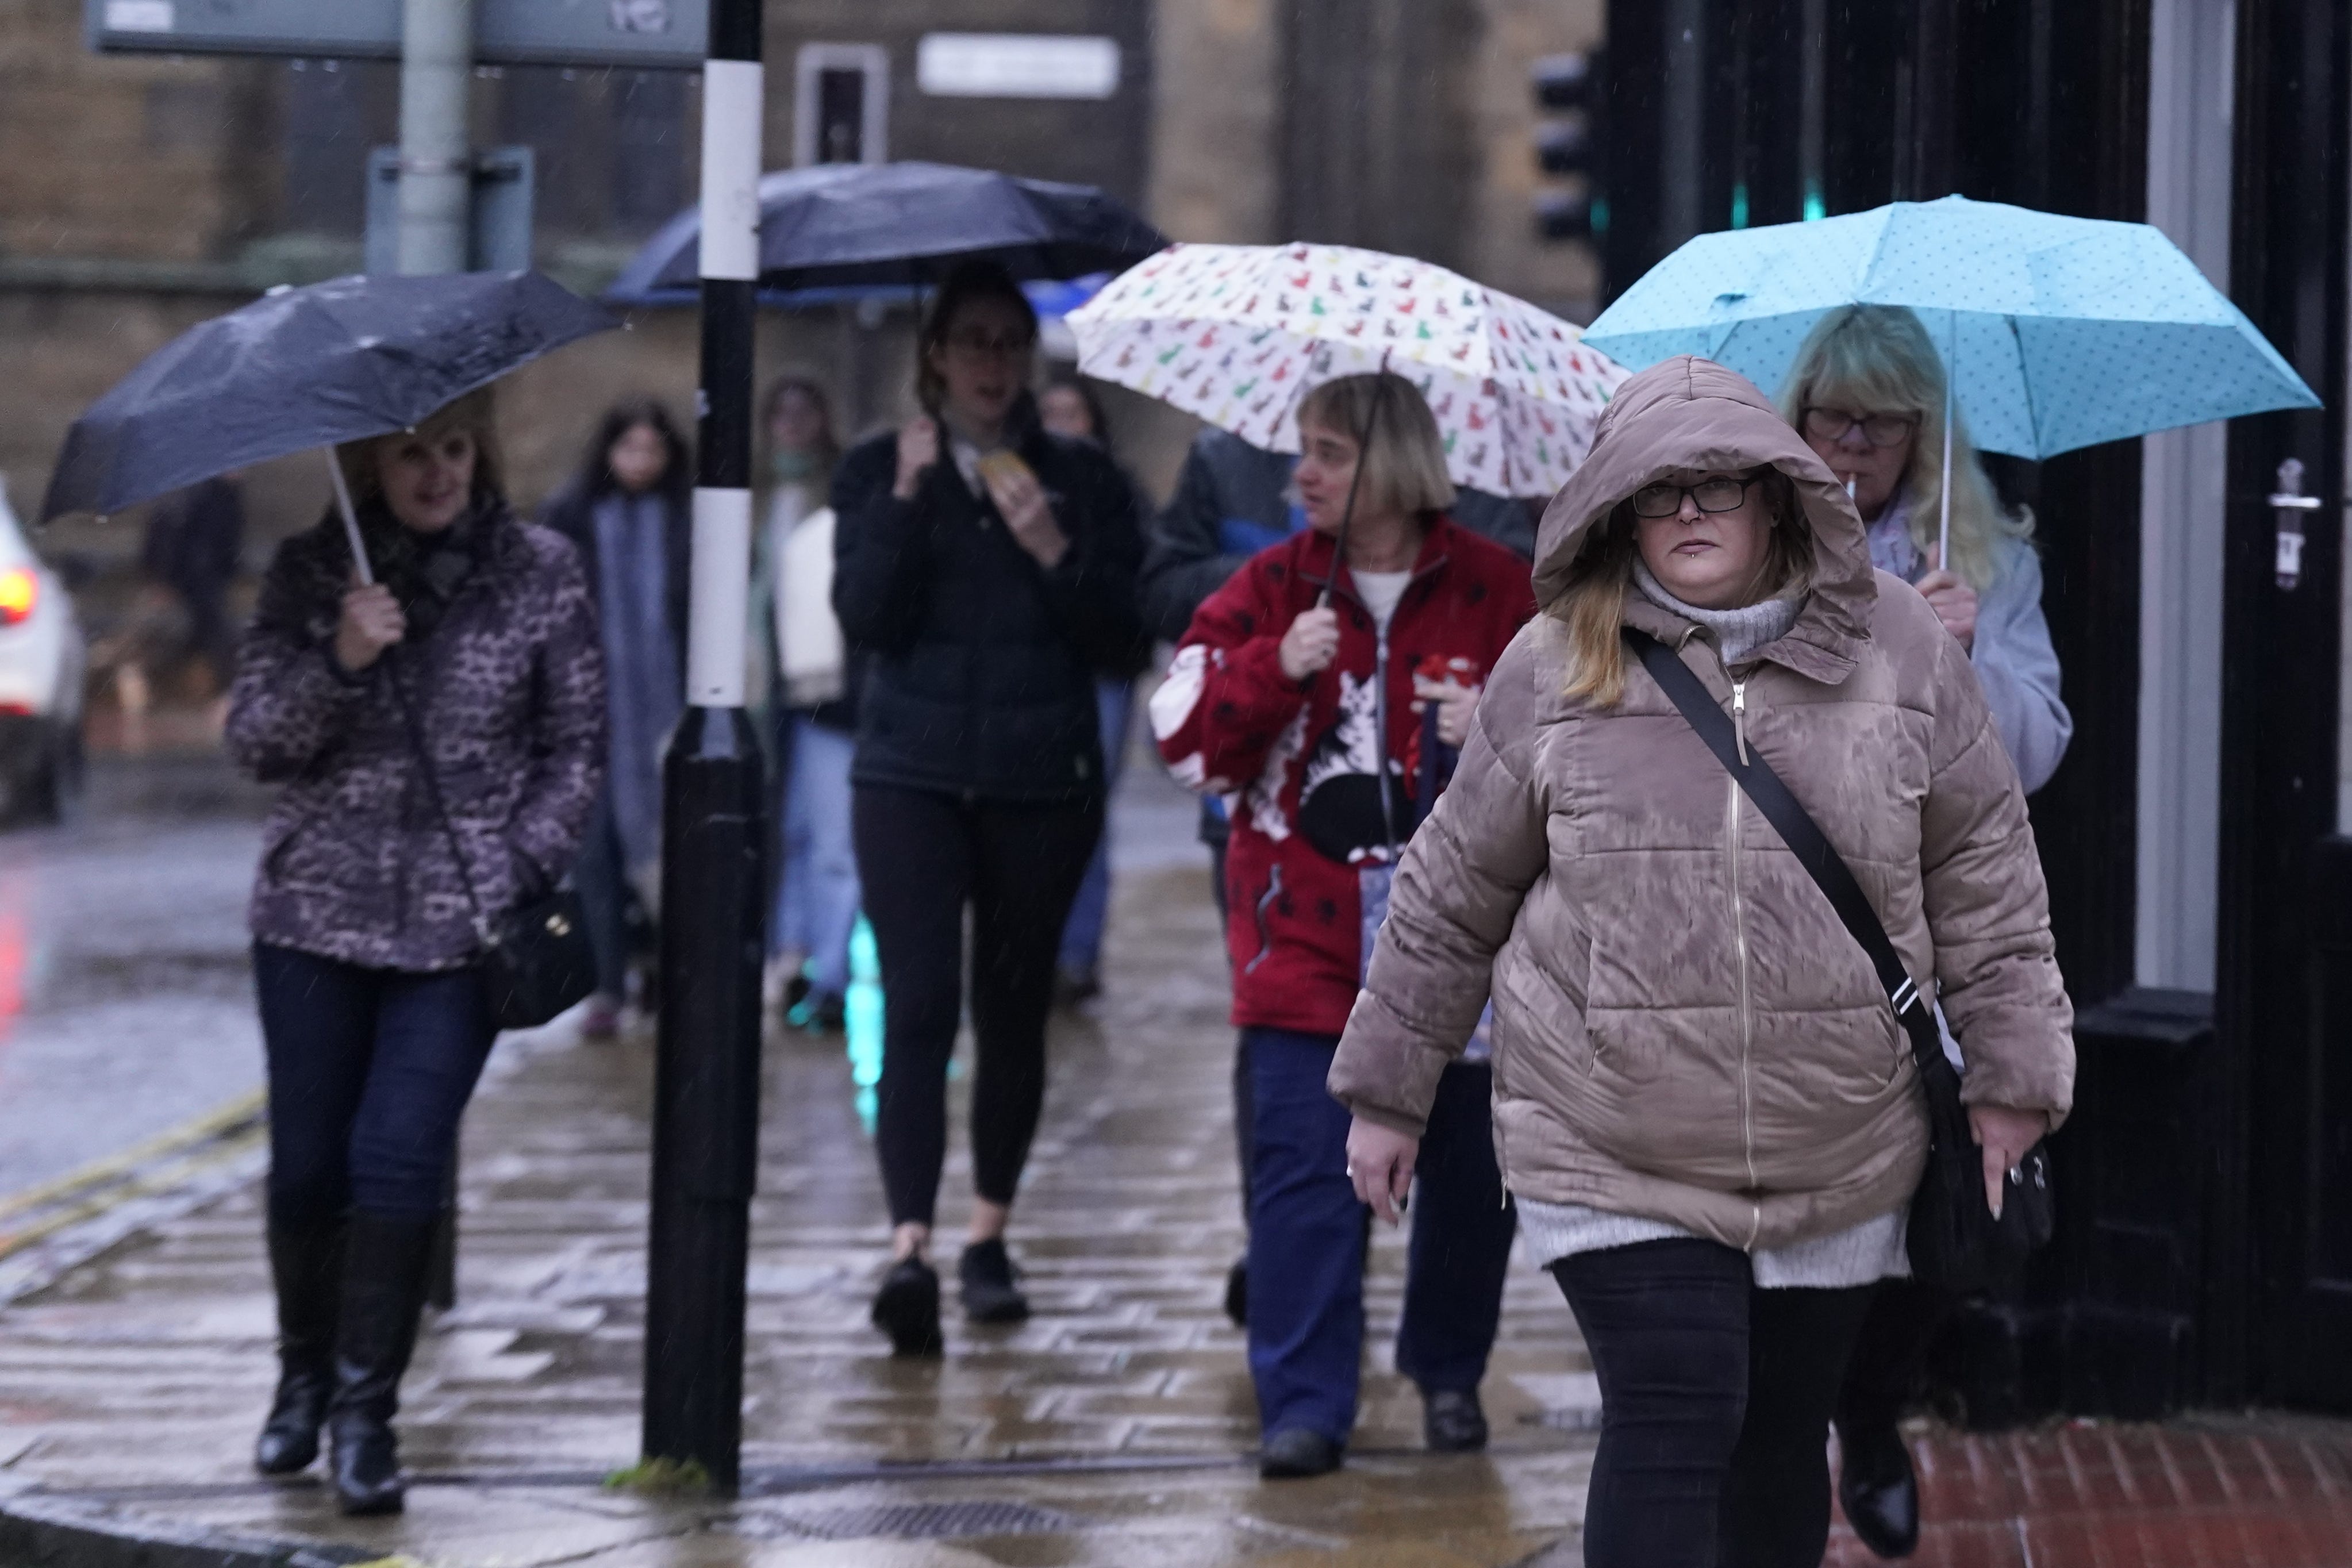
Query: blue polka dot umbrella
(2059, 331)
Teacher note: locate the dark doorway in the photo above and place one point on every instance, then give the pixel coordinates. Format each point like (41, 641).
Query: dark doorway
(2285, 974)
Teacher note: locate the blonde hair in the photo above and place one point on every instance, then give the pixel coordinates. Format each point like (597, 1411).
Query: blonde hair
(1877, 359)
(1402, 455)
(1592, 605)
(474, 413)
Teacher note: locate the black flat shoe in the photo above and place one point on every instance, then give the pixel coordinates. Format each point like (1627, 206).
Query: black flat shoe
(990, 1296)
(906, 1309)
(1879, 1492)
(1296, 1455)
(1237, 1294)
(1452, 1422)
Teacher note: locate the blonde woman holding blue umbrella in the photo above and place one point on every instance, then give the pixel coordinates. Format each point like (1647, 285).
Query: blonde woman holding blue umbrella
(1867, 393)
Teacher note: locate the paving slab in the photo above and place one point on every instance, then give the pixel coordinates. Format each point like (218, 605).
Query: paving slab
(1115, 1426)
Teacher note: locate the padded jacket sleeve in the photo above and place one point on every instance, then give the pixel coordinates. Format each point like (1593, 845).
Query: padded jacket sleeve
(1456, 895)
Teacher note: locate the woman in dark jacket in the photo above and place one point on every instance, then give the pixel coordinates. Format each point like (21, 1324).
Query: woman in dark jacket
(629, 513)
(988, 568)
(440, 738)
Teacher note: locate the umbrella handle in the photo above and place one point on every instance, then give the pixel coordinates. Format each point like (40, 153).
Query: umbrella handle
(350, 518)
(1944, 507)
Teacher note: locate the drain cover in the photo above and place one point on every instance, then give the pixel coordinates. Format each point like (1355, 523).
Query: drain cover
(908, 1521)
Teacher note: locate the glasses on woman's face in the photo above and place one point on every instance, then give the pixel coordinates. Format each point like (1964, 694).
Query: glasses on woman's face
(988, 345)
(1829, 425)
(1710, 495)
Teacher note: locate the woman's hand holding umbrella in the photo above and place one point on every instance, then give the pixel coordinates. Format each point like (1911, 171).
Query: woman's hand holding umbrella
(372, 622)
(1311, 643)
(1954, 601)
(919, 449)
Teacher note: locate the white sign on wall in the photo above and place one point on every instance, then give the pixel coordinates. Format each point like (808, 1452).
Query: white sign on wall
(1016, 65)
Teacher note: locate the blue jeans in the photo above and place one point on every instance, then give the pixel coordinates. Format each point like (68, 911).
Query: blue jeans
(817, 896)
(370, 1070)
(1082, 933)
(1307, 1236)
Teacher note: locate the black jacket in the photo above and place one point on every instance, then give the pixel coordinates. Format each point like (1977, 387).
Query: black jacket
(572, 512)
(1231, 502)
(981, 675)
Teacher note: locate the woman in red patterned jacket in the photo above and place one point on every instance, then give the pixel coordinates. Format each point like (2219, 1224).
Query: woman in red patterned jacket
(1326, 700)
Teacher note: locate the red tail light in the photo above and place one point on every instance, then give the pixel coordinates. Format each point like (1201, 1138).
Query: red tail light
(20, 590)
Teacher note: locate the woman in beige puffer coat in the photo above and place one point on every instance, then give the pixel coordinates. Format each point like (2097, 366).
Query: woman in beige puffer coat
(1703, 1102)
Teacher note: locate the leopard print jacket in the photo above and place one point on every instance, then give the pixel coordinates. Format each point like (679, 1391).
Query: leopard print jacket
(508, 696)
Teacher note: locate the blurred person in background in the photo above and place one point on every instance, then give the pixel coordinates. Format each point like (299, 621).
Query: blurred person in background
(1232, 501)
(987, 568)
(1868, 394)
(439, 739)
(814, 698)
(1070, 407)
(629, 513)
(1328, 698)
(193, 547)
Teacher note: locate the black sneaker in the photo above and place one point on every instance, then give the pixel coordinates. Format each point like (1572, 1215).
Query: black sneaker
(1237, 1293)
(906, 1309)
(1298, 1454)
(990, 1296)
(1451, 1421)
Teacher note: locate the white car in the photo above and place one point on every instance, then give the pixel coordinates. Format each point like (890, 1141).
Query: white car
(43, 660)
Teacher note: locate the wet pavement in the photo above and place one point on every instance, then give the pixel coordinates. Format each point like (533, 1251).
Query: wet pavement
(1114, 1427)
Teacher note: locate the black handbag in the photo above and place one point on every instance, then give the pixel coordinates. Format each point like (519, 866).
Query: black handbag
(535, 961)
(1955, 1243)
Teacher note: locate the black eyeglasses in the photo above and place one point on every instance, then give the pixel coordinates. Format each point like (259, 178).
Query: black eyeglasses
(1712, 495)
(1879, 429)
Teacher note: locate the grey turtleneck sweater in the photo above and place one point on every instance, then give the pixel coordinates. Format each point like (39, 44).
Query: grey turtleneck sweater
(1737, 633)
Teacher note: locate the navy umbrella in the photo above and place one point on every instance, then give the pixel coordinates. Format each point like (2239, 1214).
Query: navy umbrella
(308, 367)
(838, 226)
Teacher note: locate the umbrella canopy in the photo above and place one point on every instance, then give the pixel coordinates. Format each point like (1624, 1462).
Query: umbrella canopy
(308, 367)
(903, 225)
(1237, 333)
(2058, 333)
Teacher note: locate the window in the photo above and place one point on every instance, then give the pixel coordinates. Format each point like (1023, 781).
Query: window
(841, 104)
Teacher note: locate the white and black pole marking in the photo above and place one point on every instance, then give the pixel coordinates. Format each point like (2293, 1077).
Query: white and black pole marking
(706, 1077)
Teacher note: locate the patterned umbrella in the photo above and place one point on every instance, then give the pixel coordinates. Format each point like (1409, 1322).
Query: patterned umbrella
(1237, 333)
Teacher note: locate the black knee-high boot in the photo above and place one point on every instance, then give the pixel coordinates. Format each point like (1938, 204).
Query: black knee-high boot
(384, 1269)
(306, 1264)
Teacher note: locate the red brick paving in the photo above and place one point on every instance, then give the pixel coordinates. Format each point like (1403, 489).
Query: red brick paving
(2097, 1495)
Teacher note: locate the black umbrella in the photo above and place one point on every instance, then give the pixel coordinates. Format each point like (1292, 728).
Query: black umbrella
(841, 225)
(308, 367)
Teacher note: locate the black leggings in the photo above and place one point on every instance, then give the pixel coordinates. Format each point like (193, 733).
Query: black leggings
(1714, 1407)
(921, 857)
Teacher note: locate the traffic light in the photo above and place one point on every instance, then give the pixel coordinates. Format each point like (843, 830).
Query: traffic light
(1572, 205)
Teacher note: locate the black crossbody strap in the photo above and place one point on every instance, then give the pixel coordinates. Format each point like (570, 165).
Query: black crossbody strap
(1822, 863)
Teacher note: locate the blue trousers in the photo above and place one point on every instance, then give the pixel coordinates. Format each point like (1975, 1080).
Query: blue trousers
(817, 896)
(603, 882)
(1082, 933)
(370, 1070)
(1307, 1236)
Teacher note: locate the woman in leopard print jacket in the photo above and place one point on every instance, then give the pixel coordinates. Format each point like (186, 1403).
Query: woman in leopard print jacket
(477, 645)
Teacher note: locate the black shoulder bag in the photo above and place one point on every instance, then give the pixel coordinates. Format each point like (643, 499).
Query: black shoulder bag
(1955, 1243)
(536, 960)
